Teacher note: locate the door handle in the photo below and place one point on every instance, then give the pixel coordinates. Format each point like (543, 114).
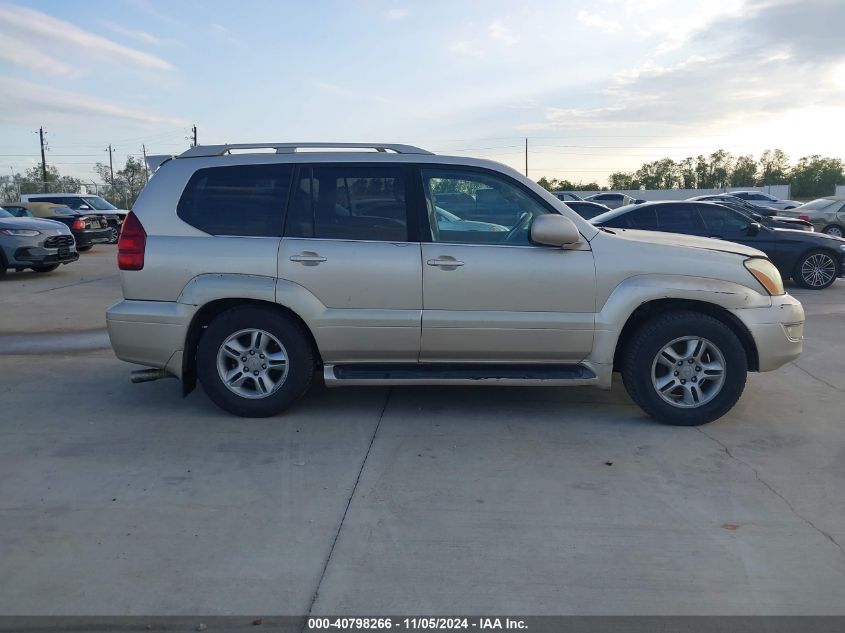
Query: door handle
(308, 258)
(446, 262)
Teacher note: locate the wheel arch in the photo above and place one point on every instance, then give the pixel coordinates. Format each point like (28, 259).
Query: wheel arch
(650, 309)
(211, 310)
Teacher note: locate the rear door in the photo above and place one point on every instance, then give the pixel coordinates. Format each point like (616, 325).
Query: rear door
(350, 241)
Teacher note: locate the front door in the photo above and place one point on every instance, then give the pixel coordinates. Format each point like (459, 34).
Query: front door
(347, 243)
(489, 295)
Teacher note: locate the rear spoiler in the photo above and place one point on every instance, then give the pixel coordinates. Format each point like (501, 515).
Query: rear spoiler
(155, 161)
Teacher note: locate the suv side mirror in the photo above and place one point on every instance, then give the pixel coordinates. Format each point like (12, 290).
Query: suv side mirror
(754, 228)
(554, 230)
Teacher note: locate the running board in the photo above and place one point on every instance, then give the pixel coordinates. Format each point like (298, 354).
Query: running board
(457, 374)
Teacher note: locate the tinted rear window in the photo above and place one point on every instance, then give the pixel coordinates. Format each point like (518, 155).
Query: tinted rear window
(247, 200)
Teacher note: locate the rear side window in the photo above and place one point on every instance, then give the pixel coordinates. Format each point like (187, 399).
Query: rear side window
(244, 200)
(679, 218)
(349, 202)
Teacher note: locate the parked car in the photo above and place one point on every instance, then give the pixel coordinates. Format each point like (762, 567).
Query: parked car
(87, 204)
(813, 260)
(566, 196)
(586, 209)
(764, 200)
(611, 200)
(825, 214)
(40, 245)
(766, 217)
(87, 229)
(253, 303)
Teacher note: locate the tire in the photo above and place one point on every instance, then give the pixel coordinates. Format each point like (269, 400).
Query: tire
(646, 367)
(48, 268)
(816, 270)
(82, 249)
(280, 338)
(835, 230)
(115, 234)
(2, 270)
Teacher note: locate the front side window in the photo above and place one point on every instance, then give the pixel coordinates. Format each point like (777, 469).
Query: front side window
(482, 208)
(719, 221)
(242, 200)
(679, 218)
(349, 202)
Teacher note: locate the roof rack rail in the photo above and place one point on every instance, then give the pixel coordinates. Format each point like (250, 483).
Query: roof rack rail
(289, 148)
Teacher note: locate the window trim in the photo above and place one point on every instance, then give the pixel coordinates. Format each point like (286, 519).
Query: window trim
(422, 211)
(411, 203)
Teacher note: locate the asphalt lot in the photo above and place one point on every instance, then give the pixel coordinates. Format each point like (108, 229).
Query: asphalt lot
(121, 499)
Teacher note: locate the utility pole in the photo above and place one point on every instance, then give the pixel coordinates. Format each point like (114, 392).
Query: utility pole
(526, 156)
(146, 169)
(43, 160)
(194, 135)
(111, 167)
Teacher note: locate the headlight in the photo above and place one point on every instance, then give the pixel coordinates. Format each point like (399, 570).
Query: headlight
(765, 272)
(842, 247)
(22, 232)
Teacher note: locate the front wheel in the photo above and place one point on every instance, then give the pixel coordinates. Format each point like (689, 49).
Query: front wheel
(47, 268)
(254, 361)
(684, 368)
(815, 270)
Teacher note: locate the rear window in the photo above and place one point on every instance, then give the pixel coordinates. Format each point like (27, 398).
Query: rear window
(243, 200)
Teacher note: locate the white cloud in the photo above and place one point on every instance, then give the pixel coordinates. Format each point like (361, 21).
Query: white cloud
(396, 13)
(141, 36)
(23, 21)
(25, 55)
(21, 101)
(466, 48)
(596, 21)
(498, 31)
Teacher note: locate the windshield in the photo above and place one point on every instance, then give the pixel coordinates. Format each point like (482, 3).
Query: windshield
(98, 203)
(5, 214)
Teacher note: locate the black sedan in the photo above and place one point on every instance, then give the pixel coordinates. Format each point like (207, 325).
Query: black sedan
(813, 260)
(766, 217)
(586, 209)
(87, 229)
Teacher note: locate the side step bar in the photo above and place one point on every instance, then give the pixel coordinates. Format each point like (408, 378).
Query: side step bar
(457, 374)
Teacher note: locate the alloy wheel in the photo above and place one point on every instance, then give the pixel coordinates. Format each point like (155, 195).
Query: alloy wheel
(252, 363)
(688, 372)
(818, 270)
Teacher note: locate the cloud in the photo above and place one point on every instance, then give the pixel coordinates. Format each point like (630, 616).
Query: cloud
(29, 22)
(467, 48)
(498, 31)
(596, 21)
(21, 101)
(25, 55)
(768, 62)
(398, 13)
(221, 32)
(141, 36)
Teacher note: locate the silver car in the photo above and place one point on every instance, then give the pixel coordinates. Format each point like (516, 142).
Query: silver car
(825, 214)
(40, 245)
(252, 271)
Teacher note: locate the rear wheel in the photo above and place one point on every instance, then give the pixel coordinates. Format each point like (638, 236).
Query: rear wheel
(684, 368)
(254, 362)
(114, 234)
(835, 230)
(816, 270)
(46, 268)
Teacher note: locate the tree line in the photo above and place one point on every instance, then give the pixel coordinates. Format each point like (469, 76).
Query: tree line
(120, 191)
(812, 176)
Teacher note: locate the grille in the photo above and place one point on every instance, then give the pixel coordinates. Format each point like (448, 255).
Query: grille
(58, 240)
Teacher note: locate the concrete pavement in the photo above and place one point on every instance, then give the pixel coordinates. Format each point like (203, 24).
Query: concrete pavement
(126, 499)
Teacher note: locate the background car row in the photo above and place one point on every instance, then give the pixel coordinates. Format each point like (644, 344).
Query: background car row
(34, 243)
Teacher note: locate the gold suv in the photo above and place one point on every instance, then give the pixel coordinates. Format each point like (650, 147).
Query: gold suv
(382, 264)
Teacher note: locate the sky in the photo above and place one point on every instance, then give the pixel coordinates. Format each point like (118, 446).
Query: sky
(595, 86)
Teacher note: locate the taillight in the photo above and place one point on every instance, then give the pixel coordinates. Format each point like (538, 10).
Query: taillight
(806, 218)
(131, 245)
(78, 224)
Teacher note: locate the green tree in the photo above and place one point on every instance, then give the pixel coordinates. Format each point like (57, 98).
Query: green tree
(816, 176)
(744, 173)
(546, 184)
(128, 182)
(687, 178)
(774, 165)
(621, 180)
(720, 167)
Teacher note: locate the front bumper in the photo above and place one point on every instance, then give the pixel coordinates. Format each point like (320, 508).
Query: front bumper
(150, 333)
(23, 252)
(778, 331)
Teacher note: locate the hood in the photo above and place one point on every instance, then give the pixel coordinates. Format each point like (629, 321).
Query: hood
(691, 241)
(38, 224)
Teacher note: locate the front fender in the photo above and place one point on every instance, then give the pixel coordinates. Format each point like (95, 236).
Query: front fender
(634, 291)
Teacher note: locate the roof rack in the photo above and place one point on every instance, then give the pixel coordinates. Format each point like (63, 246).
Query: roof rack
(290, 148)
